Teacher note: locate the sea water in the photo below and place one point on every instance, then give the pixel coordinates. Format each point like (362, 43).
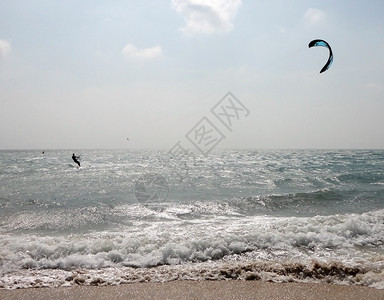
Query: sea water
(133, 216)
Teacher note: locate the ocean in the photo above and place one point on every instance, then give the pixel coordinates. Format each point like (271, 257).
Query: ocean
(142, 215)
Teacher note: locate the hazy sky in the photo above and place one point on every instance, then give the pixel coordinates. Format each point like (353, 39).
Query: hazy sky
(89, 74)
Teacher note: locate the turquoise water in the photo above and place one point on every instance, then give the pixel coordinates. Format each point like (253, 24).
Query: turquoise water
(143, 215)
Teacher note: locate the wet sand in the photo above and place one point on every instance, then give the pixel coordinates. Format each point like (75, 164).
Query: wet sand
(200, 290)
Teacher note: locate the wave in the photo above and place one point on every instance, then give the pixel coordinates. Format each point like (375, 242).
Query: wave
(317, 202)
(34, 215)
(170, 240)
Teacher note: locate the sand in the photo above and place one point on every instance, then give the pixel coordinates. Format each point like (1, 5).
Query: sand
(200, 290)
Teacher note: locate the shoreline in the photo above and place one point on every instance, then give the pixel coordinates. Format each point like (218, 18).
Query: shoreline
(231, 289)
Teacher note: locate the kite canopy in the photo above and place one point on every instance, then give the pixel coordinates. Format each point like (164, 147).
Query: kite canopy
(323, 43)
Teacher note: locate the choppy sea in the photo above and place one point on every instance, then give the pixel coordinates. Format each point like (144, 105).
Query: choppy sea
(134, 216)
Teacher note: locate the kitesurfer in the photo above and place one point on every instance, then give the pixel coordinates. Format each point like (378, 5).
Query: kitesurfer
(75, 159)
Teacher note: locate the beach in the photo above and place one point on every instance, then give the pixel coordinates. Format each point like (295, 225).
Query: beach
(200, 290)
(191, 149)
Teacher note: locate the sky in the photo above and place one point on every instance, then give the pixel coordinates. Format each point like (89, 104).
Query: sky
(143, 74)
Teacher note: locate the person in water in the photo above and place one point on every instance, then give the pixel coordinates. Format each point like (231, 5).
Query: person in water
(75, 159)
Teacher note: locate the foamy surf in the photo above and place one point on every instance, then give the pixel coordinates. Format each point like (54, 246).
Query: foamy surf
(284, 271)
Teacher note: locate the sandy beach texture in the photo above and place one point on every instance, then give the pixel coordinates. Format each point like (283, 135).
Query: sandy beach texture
(200, 290)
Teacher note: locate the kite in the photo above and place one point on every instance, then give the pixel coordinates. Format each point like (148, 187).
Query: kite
(323, 43)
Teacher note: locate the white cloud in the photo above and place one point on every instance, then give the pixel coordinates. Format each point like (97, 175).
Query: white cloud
(314, 16)
(130, 51)
(5, 48)
(207, 16)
